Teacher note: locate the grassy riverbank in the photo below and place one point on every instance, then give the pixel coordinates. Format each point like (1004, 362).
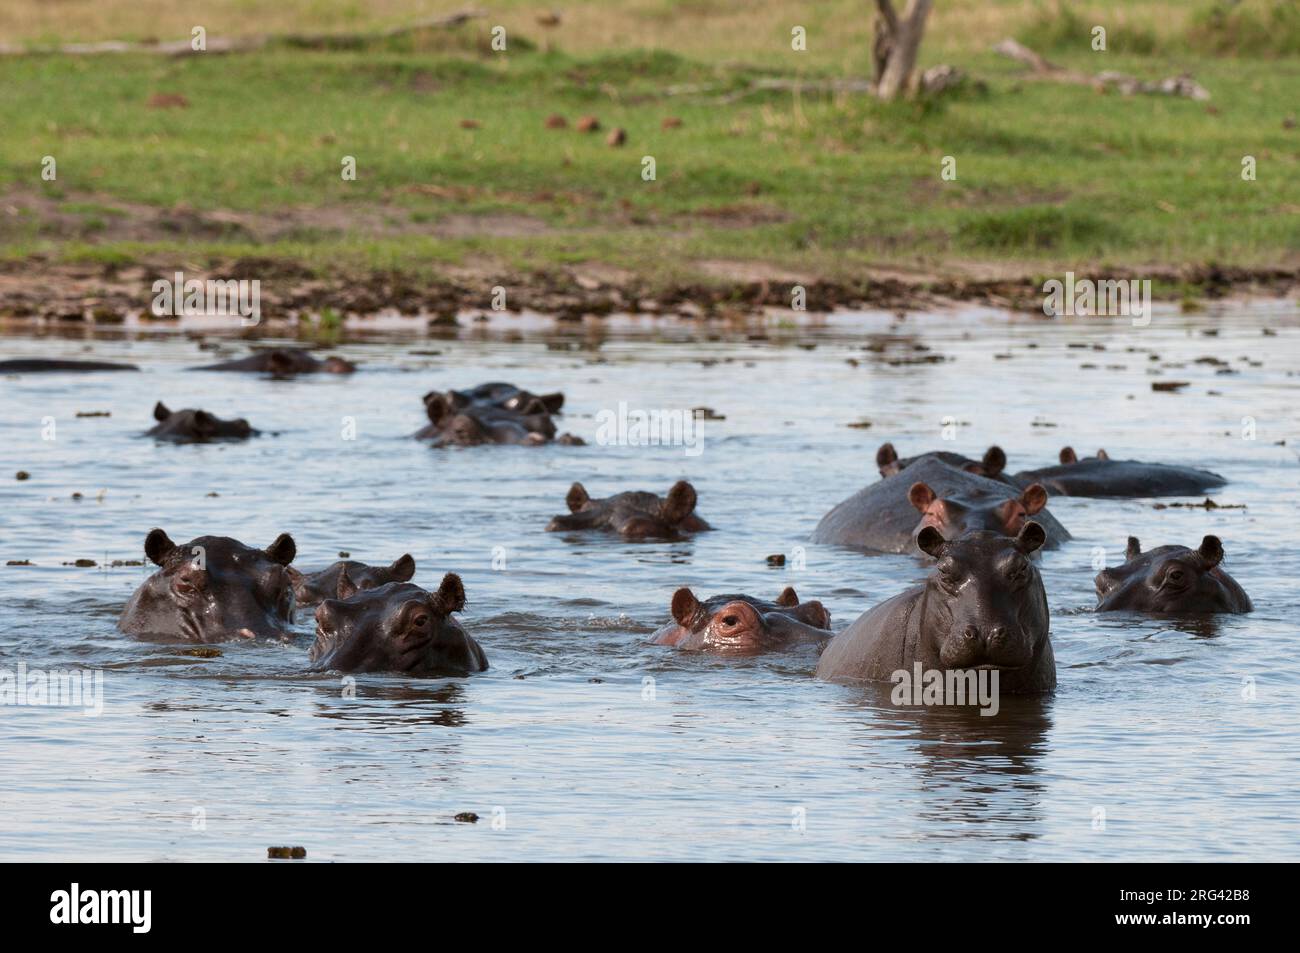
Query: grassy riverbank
(208, 158)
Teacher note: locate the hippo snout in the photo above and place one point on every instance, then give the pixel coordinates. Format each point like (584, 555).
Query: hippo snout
(991, 646)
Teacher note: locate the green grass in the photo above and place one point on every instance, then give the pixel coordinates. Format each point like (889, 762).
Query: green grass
(1049, 175)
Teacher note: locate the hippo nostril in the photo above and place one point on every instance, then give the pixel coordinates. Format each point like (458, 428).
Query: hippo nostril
(997, 635)
(970, 633)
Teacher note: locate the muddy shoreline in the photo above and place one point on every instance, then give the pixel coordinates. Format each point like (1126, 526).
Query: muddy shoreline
(45, 293)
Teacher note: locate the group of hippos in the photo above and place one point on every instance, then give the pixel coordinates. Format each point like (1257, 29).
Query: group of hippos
(982, 606)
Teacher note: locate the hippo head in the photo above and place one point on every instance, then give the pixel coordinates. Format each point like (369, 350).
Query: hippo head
(213, 589)
(991, 466)
(337, 365)
(1067, 456)
(955, 516)
(311, 588)
(455, 421)
(741, 625)
(985, 604)
(635, 514)
(1171, 579)
(397, 627)
(508, 397)
(197, 426)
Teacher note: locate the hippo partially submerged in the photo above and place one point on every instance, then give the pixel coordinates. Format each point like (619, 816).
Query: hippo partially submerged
(310, 588)
(886, 516)
(634, 514)
(1101, 476)
(196, 426)
(991, 465)
(212, 589)
(743, 625)
(1172, 580)
(41, 365)
(457, 418)
(283, 362)
(982, 607)
(397, 627)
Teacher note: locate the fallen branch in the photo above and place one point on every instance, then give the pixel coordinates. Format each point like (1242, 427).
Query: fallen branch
(1127, 85)
(243, 44)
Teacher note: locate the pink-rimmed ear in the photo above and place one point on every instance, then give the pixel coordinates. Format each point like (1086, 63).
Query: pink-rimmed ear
(1068, 456)
(685, 607)
(921, 496)
(403, 567)
(788, 597)
(1031, 537)
(346, 588)
(886, 457)
(1034, 498)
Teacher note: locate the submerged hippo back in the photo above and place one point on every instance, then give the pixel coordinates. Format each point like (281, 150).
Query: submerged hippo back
(884, 518)
(1099, 477)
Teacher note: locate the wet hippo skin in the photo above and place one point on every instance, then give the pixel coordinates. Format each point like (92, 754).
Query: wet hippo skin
(982, 606)
(196, 426)
(634, 514)
(886, 516)
(311, 587)
(1171, 580)
(283, 362)
(743, 625)
(212, 589)
(397, 627)
(1100, 476)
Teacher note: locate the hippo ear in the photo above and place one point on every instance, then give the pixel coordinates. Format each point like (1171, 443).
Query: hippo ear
(886, 456)
(930, 541)
(436, 405)
(685, 607)
(1134, 549)
(1211, 551)
(679, 504)
(157, 546)
(160, 411)
(1034, 498)
(788, 597)
(450, 596)
(403, 567)
(1103, 455)
(1031, 537)
(921, 496)
(577, 497)
(346, 588)
(1068, 456)
(283, 549)
(995, 461)
(553, 402)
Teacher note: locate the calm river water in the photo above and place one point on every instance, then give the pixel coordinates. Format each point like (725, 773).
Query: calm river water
(1163, 742)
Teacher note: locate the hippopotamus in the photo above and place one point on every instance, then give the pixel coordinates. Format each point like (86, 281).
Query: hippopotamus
(743, 625)
(635, 514)
(283, 362)
(34, 365)
(455, 420)
(396, 627)
(1172, 580)
(991, 466)
(1102, 476)
(196, 426)
(886, 516)
(982, 607)
(507, 397)
(309, 588)
(212, 589)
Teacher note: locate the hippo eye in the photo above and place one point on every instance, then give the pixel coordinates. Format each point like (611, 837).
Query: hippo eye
(730, 620)
(420, 620)
(1175, 577)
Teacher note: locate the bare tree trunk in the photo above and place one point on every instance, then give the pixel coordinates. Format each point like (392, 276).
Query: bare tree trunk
(898, 40)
